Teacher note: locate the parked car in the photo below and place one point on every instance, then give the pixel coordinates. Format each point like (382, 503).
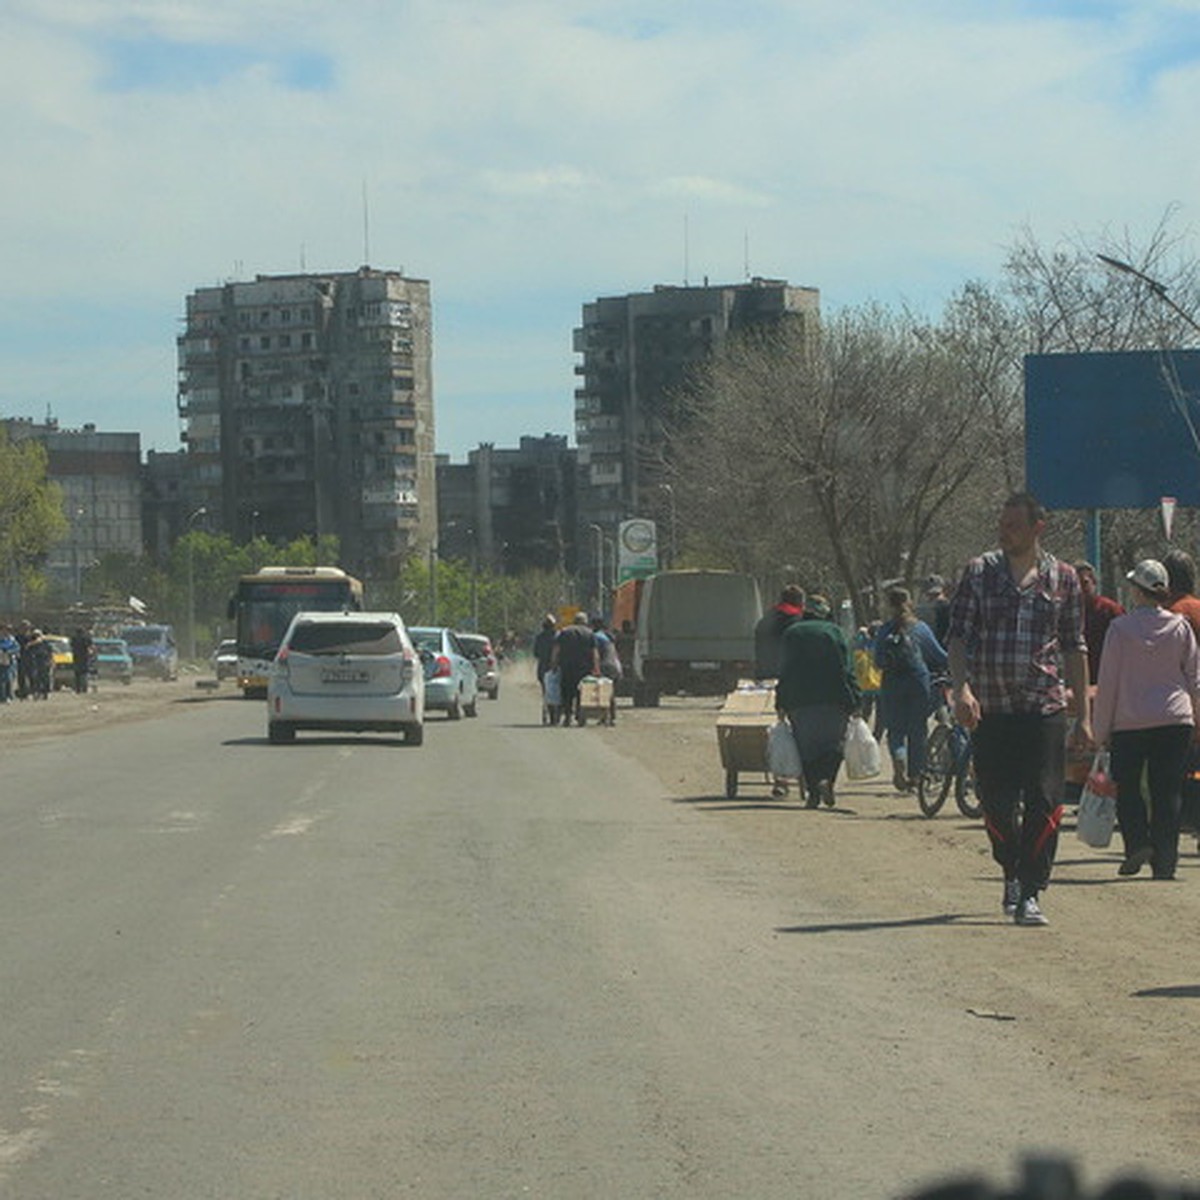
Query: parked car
(487, 667)
(451, 684)
(355, 671)
(153, 650)
(112, 659)
(225, 660)
(63, 672)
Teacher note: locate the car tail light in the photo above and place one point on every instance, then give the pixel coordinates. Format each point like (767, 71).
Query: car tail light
(408, 668)
(281, 661)
(441, 667)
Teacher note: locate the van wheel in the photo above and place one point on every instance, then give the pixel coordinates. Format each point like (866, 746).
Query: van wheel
(414, 735)
(472, 709)
(454, 712)
(279, 732)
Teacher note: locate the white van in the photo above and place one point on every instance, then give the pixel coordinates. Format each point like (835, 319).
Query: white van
(694, 634)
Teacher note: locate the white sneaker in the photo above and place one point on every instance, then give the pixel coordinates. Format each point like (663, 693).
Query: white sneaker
(1012, 896)
(1028, 913)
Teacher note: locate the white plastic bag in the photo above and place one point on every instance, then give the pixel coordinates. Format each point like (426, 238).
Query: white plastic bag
(864, 760)
(783, 756)
(1097, 805)
(552, 687)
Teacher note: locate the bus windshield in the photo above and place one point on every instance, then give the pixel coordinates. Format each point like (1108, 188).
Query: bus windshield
(265, 607)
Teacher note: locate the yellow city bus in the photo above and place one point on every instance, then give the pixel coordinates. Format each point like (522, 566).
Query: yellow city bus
(265, 603)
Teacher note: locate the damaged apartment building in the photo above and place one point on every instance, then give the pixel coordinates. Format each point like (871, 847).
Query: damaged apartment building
(307, 407)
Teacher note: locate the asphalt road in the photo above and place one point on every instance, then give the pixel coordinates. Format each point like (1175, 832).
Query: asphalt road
(503, 964)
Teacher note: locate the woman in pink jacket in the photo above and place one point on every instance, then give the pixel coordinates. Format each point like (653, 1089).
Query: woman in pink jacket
(1146, 707)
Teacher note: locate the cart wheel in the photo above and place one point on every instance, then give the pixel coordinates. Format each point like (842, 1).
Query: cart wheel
(731, 784)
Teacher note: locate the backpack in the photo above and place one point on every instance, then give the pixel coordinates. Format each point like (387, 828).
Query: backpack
(898, 652)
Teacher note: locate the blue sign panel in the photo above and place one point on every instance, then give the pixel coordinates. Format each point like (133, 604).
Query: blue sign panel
(1113, 430)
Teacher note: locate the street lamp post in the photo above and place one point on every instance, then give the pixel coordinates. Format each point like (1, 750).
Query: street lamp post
(599, 564)
(670, 491)
(1159, 289)
(191, 580)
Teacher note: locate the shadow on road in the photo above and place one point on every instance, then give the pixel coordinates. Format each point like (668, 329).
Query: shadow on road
(1179, 991)
(904, 923)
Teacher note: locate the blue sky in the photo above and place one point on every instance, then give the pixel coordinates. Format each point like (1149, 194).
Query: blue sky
(526, 156)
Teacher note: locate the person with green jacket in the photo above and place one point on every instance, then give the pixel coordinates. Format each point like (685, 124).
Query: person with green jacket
(818, 690)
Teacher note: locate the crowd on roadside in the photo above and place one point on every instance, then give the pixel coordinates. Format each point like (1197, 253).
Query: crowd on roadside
(565, 656)
(27, 662)
(1038, 666)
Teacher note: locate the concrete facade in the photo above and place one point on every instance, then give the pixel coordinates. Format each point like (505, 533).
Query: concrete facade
(513, 507)
(100, 477)
(636, 354)
(307, 403)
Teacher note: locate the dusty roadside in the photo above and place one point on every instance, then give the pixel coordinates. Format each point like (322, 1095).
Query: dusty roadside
(1106, 996)
(110, 703)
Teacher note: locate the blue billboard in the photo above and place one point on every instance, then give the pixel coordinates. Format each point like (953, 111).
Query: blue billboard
(1113, 429)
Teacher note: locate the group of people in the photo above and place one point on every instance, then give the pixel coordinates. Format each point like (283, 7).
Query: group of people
(580, 648)
(1015, 640)
(27, 662)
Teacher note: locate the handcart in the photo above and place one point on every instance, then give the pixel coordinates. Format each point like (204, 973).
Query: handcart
(743, 723)
(596, 700)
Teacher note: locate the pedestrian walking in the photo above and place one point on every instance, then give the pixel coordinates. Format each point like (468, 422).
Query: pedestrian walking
(1016, 627)
(1181, 587)
(909, 655)
(768, 632)
(818, 691)
(1146, 707)
(576, 654)
(10, 654)
(543, 657)
(610, 663)
(24, 636)
(39, 652)
(1099, 612)
(82, 652)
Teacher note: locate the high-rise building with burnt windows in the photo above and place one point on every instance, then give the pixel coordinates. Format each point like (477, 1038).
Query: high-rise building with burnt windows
(307, 409)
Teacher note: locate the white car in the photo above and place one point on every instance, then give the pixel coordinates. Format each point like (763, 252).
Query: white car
(355, 671)
(225, 660)
(451, 681)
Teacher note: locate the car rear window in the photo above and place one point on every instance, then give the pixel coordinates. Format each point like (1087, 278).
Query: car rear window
(346, 637)
(427, 639)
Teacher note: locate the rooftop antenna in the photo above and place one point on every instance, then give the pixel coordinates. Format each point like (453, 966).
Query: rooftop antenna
(366, 226)
(746, 252)
(303, 264)
(685, 249)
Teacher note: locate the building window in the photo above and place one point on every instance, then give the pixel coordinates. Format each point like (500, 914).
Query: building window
(285, 315)
(264, 317)
(264, 343)
(306, 341)
(285, 341)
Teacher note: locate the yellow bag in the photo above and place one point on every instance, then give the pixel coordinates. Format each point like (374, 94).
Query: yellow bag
(869, 676)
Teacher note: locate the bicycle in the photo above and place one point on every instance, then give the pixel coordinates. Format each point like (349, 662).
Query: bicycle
(948, 762)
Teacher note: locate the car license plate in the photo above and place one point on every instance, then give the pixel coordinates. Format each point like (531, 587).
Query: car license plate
(703, 666)
(343, 675)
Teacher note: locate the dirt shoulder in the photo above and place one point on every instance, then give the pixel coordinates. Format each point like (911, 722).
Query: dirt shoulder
(111, 703)
(1106, 996)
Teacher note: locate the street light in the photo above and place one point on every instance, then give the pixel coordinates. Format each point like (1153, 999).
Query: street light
(666, 487)
(599, 564)
(191, 579)
(1159, 289)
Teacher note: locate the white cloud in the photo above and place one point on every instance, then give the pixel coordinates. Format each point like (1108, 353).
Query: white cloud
(554, 148)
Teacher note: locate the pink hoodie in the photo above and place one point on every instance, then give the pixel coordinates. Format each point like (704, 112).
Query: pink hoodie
(1149, 673)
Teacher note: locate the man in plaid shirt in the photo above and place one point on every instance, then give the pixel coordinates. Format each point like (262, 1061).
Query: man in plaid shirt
(1016, 627)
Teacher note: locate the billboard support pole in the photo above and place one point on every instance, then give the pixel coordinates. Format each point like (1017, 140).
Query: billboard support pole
(1092, 540)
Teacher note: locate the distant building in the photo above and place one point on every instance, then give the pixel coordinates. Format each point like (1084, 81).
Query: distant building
(637, 353)
(511, 509)
(307, 403)
(100, 477)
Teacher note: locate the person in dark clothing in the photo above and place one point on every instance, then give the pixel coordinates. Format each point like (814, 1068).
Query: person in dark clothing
(1099, 612)
(24, 636)
(576, 654)
(81, 658)
(818, 691)
(935, 609)
(543, 645)
(768, 633)
(39, 652)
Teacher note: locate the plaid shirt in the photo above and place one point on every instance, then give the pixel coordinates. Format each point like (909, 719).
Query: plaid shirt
(1015, 637)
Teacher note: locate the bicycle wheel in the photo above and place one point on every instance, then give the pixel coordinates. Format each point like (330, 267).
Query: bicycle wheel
(934, 785)
(965, 795)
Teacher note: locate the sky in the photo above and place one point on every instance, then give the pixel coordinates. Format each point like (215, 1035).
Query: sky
(528, 156)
